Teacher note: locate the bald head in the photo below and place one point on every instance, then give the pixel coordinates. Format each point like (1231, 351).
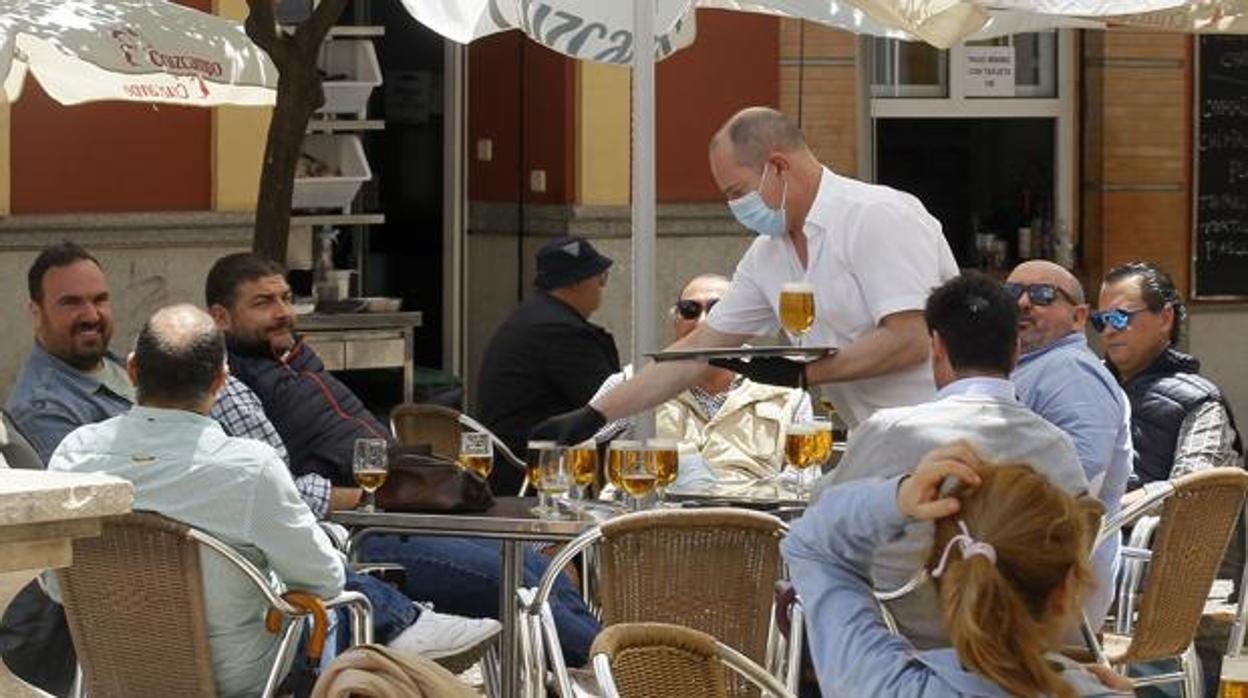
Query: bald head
(1045, 319)
(178, 359)
(1038, 271)
(706, 283)
(754, 133)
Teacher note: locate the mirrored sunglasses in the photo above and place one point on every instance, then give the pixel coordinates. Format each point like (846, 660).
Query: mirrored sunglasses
(1117, 318)
(1040, 294)
(692, 310)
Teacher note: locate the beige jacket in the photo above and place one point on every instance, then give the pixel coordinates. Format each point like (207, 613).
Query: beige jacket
(373, 671)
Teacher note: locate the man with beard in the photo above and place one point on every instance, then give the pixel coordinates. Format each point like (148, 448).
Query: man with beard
(319, 420)
(1060, 379)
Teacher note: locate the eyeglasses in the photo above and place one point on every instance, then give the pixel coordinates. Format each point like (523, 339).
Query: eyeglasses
(1040, 294)
(1117, 318)
(690, 309)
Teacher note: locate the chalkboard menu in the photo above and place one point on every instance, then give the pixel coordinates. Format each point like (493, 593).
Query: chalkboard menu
(1220, 245)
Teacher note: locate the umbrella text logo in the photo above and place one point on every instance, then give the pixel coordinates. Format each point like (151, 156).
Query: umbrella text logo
(134, 49)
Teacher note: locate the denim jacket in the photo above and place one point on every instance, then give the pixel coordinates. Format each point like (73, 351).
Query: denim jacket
(829, 551)
(52, 398)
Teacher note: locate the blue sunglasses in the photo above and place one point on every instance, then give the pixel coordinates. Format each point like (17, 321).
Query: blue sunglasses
(1118, 318)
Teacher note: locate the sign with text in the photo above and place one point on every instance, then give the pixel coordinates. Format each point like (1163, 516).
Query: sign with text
(989, 71)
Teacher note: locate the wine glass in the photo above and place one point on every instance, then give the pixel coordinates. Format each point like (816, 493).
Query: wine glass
(476, 453)
(368, 464)
(797, 309)
(533, 465)
(663, 460)
(799, 447)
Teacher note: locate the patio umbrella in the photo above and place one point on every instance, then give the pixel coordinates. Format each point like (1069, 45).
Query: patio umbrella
(130, 50)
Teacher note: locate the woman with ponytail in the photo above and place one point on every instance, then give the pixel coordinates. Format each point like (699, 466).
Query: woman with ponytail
(1010, 564)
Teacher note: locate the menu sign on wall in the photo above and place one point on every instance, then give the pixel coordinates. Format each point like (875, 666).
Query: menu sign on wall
(1220, 235)
(989, 71)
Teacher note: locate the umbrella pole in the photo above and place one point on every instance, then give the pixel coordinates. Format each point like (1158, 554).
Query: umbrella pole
(643, 197)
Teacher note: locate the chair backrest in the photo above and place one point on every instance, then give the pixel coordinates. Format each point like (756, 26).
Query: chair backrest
(435, 425)
(711, 570)
(134, 602)
(17, 451)
(1196, 524)
(659, 660)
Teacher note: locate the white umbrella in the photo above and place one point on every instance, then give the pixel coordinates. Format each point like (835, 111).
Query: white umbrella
(131, 50)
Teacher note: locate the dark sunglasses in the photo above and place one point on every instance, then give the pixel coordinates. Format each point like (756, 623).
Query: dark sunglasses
(692, 310)
(1040, 294)
(1118, 318)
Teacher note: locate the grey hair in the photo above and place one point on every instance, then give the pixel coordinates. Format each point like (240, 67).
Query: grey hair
(756, 132)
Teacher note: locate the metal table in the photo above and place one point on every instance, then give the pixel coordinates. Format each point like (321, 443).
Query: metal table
(509, 521)
(353, 341)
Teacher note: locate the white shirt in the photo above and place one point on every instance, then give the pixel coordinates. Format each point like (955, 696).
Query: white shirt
(873, 251)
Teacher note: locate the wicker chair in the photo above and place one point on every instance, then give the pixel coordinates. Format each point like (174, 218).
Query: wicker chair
(658, 660)
(134, 602)
(1197, 516)
(17, 451)
(712, 570)
(441, 427)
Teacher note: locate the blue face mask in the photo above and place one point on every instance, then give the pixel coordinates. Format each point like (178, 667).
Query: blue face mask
(754, 213)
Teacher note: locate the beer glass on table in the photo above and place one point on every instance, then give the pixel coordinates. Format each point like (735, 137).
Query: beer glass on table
(556, 478)
(797, 309)
(663, 459)
(799, 452)
(637, 475)
(368, 464)
(476, 453)
(583, 459)
(533, 470)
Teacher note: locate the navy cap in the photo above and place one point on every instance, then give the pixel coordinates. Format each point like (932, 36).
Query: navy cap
(567, 260)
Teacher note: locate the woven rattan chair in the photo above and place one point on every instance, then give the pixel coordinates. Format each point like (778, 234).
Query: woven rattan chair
(134, 602)
(1197, 516)
(17, 451)
(441, 427)
(659, 660)
(712, 570)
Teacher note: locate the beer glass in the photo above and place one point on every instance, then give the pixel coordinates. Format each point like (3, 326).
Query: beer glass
(556, 478)
(1234, 683)
(368, 464)
(618, 453)
(584, 466)
(797, 309)
(476, 453)
(533, 468)
(663, 459)
(636, 475)
(823, 442)
(799, 452)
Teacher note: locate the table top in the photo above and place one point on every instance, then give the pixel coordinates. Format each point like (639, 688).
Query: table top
(358, 321)
(509, 518)
(40, 496)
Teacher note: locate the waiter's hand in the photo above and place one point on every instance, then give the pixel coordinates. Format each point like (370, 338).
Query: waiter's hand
(772, 370)
(570, 427)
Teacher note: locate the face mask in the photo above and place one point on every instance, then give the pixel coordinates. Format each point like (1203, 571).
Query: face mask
(752, 212)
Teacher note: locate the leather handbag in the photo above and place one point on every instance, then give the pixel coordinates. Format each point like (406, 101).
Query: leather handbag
(419, 481)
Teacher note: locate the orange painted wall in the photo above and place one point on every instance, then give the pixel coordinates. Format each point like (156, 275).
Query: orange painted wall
(499, 80)
(109, 157)
(732, 64)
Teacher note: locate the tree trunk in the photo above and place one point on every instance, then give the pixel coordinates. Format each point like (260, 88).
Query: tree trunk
(299, 95)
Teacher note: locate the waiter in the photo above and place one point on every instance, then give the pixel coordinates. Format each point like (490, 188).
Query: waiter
(871, 253)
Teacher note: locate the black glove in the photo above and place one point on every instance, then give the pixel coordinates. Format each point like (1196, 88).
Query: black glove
(570, 427)
(772, 370)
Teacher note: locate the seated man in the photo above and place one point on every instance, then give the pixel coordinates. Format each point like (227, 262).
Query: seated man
(725, 423)
(319, 419)
(974, 332)
(183, 465)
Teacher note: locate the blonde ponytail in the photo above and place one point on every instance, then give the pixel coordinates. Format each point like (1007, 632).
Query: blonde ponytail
(997, 612)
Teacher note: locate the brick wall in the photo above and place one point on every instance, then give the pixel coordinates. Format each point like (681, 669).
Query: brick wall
(818, 63)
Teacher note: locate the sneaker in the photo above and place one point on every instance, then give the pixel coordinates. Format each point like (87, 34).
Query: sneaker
(454, 642)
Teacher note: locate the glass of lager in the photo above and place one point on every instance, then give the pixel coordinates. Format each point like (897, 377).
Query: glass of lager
(797, 309)
(799, 452)
(556, 478)
(583, 462)
(476, 453)
(662, 458)
(533, 471)
(368, 464)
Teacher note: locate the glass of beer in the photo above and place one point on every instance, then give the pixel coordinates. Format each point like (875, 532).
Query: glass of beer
(637, 477)
(533, 470)
(622, 453)
(799, 452)
(662, 458)
(369, 463)
(476, 453)
(556, 478)
(797, 309)
(584, 466)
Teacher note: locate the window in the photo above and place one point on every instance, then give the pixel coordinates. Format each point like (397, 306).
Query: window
(905, 69)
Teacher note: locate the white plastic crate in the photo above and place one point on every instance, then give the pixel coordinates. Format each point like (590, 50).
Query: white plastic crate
(357, 59)
(343, 153)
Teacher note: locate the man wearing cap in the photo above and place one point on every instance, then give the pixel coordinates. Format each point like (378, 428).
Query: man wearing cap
(547, 357)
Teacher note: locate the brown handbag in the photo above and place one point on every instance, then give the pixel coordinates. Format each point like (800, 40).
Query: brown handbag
(421, 482)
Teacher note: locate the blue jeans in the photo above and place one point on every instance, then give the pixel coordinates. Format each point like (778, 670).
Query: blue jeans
(461, 576)
(393, 612)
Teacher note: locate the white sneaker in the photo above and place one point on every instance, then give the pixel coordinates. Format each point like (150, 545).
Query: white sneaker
(454, 642)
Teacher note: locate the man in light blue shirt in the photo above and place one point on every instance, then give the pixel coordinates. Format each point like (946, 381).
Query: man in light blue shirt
(974, 333)
(184, 466)
(1060, 378)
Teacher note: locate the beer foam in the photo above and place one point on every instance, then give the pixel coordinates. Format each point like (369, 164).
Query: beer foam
(802, 429)
(797, 287)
